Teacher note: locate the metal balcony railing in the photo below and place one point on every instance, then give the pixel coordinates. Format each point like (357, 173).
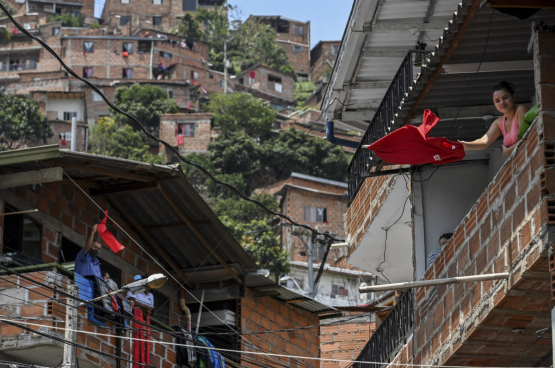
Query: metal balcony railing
(391, 333)
(383, 119)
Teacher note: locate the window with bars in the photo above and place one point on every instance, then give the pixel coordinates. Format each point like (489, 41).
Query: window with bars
(337, 290)
(68, 115)
(187, 130)
(315, 214)
(145, 46)
(127, 73)
(22, 235)
(88, 46)
(297, 48)
(55, 31)
(156, 21)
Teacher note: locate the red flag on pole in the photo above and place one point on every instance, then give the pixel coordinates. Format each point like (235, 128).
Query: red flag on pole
(108, 237)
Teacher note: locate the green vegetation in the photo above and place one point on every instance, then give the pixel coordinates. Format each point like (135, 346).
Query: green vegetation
(247, 155)
(21, 122)
(109, 139)
(303, 90)
(67, 19)
(145, 102)
(10, 9)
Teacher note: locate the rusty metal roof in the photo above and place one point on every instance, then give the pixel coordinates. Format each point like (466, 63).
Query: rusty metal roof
(152, 199)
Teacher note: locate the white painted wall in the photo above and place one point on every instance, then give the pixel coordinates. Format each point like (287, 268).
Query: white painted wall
(442, 202)
(66, 105)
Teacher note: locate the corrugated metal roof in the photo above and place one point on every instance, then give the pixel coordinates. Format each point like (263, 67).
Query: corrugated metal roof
(146, 204)
(319, 180)
(261, 283)
(378, 35)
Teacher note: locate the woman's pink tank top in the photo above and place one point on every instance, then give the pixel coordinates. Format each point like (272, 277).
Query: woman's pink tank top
(511, 138)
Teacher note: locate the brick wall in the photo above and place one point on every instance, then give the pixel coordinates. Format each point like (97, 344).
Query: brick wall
(267, 314)
(344, 340)
(322, 58)
(197, 143)
(262, 84)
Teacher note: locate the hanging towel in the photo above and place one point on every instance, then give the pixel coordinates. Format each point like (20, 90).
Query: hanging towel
(410, 145)
(108, 237)
(180, 139)
(252, 74)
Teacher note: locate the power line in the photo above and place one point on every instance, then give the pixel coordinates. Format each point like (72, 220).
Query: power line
(273, 354)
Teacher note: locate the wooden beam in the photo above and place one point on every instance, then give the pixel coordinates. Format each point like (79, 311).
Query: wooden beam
(124, 188)
(199, 235)
(98, 170)
(300, 300)
(135, 224)
(535, 4)
(448, 53)
(431, 10)
(269, 287)
(81, 183)
(31, 177)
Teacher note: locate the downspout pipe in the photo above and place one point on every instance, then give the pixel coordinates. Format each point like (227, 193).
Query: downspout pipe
(338, 141)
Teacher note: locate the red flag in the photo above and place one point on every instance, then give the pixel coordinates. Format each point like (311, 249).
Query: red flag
(252, 74)
(189, 105)
(125, 54)
(108, 237)
(15, 31)
(180, 140)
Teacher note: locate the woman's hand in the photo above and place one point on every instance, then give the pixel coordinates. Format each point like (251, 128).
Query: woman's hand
(508, 150)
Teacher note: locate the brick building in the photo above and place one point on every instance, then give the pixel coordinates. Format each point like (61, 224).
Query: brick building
(194, 129)
(268, 84)
(294, 37)
(128, 16)
(162, 222)
(322, 60)
(498, 207)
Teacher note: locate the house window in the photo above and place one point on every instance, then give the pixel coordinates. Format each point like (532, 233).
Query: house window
(194, 75)
(188, 130)
(128, 46)
(96, 97)
(69, 115)
(170, 93)
(297, 48)
(275, 83)
(189, 5)
(337, 290)
(27, 25)
(87, 72)
(55, 31)
(156, 2)
(124, 21)
(298, 30)
(335, 49)
(156, 20)
(22, 235)
(166, 55)
(127, 73)
(145, 46)
(88, 46)
(315, 214)
(125, 1)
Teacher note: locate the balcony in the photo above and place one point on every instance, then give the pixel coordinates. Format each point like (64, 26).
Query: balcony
(389, 336)
(384, 119)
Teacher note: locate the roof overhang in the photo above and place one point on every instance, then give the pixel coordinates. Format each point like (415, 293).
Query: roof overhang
(378, 35)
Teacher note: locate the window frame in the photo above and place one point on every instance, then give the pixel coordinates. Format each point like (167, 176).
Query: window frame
(70, 114)
(124, 74)
(297, 48)
(297, 27)
(96, 97)
(316, 215)
(154, 23)
(56, 31)
(125, 45)
(19, 248)
(86, 49)
(141, 49)
(86, 74)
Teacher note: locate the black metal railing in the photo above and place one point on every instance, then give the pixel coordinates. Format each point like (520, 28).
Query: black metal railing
(390, 335)
(382, 121)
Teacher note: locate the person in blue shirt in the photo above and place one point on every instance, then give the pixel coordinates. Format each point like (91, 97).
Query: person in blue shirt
(443, 239)
(87, 263)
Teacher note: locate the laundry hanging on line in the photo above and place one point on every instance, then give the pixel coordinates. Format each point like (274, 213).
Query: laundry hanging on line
(411, 145)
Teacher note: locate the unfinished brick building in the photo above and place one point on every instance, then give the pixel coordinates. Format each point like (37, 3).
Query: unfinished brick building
(294, 37)
(162, 222)
(268, 84)
(322, 60)
(498, 208)
(190, 133)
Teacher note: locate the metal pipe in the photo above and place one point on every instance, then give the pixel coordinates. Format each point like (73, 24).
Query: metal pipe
(339, 245)
(200, 310)
(423, 283)
(338, 141)
(74, 133)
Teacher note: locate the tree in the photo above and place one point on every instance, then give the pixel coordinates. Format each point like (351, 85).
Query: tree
(315, 156)
(21, 122)
(255, 43)
(67, 19)
(241, 112)
(145, 102)
(236, 209)
(10, 9)
(190, 27)
(303, 90)
(108, 139)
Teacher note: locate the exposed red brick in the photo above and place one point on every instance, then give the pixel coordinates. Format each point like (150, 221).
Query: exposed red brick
(518, 215)
(506, 231)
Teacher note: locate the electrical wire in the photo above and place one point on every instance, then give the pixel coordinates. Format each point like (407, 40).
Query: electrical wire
(268, 354)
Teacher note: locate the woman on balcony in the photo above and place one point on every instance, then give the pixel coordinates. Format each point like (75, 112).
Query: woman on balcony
(508, 125)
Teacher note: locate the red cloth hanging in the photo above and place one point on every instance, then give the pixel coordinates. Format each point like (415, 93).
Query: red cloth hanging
(141, 347)
(64, 142)
(410, 145)
(180, 139)
(252, 74)
(189, 105)
(125, 54)
(15, 31)
(108, 237)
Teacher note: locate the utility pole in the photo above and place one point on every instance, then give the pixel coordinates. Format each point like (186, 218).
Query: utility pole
(311, 292)
(70, 356)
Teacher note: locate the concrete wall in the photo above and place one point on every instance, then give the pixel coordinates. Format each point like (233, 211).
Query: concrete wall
(66, 105)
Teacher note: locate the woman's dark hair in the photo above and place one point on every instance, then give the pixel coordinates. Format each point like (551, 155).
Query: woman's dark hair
(446, 236)
(504, 85)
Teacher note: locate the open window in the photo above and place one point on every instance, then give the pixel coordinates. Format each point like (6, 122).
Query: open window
(156, 21)
(161, 311)
(283, 26)
(127, 73)
(68, 115)
(315, 214)
(298, 30)
(23, 236)
(145, 46)
(88, 46)
(274, 83)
